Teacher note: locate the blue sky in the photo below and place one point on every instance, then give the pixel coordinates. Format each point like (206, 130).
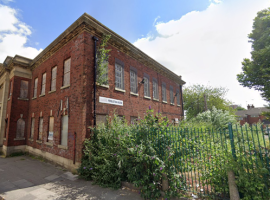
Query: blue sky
(129, 18)
(204, 41)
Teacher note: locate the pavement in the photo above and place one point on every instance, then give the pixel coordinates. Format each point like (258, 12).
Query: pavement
(29, 178)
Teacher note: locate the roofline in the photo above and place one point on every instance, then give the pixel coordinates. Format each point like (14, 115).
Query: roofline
(97, 28)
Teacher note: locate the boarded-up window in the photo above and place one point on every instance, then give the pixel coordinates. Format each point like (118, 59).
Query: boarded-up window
(51, 124)
(43, 84)
(20, 128)
(171, 95)
(101, 119)
(146, 86)
(53, 83)
(40, 128)
(178, 97)
(64, 130)
(164, 94)
(24, 89)
(66, 80)
(32, 127)
(35, 88)
(133, 81)
(155, 89)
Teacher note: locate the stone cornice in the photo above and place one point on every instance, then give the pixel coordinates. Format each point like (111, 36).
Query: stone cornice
(91, 25)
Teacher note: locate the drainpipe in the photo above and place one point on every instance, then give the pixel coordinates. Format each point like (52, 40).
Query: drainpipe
(182, 102)
(95, 77)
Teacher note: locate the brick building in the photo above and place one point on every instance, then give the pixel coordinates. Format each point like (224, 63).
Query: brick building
(252, 115)
(47, 103)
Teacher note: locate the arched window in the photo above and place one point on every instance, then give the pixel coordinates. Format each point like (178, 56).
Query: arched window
(20, 128)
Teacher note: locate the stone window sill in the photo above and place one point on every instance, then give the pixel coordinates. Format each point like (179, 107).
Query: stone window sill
(8, 98)
(105, 86)
(4, 139)
(64, 87)
(172, 104)
(49, 144)
(30, 139)
(119, 90)
(135, 94)
(24, 99)
(39, 141)
(42, 95)
(52, 91)
(164, 102)
(62, 147)
(19, 138)
(34, 98)
(155, 99)
(147, 97)
(178, 105)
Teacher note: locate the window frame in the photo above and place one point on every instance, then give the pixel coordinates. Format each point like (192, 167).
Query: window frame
(155, 89)
(66, 72)
(178, 97)
(43, 84)
(49, 128)
(146, 86)
(133, 89)
(40, 129)
(35, 87)
(10, 89)
(164, 92)
(107, 73)
(61, 139)
(22, 135)
(53, 79)
(119, 63)
(32, 131)
(24, 89)
(171, 95)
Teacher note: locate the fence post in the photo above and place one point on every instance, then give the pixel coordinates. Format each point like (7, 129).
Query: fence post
(234, 194)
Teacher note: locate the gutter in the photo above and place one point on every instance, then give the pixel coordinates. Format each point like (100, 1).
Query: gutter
(95, 77)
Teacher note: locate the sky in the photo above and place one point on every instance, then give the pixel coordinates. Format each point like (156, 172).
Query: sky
(204, 41)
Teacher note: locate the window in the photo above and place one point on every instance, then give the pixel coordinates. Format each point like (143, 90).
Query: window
(155, 89)
(171, 95)
(51, 124)
(64, 130)
(35, 88)
(146, 86)
(10, 88)
(20, 128)
(133, 80)
(164, 95)
(119, 74)
(40, 128)
(43, 84)
(32, 127)
(66, 81)
(53, 83)
(178, 97)
(101, 119)
(24, 90)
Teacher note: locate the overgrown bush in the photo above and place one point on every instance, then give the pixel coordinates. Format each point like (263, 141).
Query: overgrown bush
(117, 152)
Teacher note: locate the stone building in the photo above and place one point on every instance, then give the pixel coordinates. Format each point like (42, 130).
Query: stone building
(47, 103)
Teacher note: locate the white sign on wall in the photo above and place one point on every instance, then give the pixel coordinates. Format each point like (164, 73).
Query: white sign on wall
(111, 101)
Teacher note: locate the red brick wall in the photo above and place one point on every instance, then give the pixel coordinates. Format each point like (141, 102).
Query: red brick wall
(133, 105)
(51, 101)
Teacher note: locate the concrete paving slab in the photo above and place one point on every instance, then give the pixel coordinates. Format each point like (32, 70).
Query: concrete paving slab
(28, 197)
(70, 176)
(52, 177)
(23, 183)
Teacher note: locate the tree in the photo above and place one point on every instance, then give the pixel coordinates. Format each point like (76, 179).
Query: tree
(198, 98)
(240, 108)
(256, 72)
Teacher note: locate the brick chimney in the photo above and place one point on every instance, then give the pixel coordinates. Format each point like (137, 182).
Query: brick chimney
(248, 106)
(252, 106)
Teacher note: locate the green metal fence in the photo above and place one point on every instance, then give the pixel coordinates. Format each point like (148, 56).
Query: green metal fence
(204, 156)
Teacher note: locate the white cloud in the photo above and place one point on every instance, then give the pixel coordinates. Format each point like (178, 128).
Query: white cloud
(14, 35)
(207, 47)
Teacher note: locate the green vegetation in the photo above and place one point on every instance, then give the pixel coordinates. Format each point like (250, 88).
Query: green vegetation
(256, 71)
(199, 98)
